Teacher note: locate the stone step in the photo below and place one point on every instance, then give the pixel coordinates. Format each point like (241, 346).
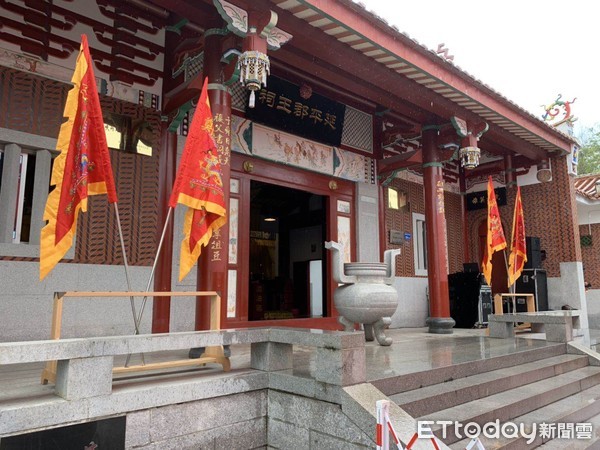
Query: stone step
(420, 402)
(577, 444)
(407, 382)
(505, 406)
(583, 407)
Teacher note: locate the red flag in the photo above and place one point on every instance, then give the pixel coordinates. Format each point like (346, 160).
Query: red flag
(82, 168)
(518, 246)
(495, 235)
(199, 186)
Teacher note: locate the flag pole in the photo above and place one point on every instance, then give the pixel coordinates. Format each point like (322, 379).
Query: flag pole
(510, 287)
(160, 243)
(126, 265)
(138, 320)
(131, 300)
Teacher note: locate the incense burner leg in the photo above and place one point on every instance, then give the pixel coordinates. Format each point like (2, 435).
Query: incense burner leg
(368, 331)
(348, 326)
(379, 327)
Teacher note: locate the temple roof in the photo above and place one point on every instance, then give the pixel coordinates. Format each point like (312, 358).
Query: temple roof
(387, 46)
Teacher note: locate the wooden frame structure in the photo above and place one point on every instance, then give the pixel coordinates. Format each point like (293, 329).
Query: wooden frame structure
(212, 354)
(499, 300)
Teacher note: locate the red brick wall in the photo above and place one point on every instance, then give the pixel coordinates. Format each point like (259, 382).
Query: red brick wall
(591, 255)
(476, 218)
(550, 214)
(35, 105)
(402, 221)
(453, 207)
(30, 103)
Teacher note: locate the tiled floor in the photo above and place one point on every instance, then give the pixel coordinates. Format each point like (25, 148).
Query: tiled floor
(413, 350)
(416, 350)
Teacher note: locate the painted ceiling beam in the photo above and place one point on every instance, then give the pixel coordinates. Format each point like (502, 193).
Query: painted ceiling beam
(398, 162)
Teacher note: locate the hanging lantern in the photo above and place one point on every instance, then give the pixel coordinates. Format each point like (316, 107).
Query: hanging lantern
(469, 157)
(469, 153)
(254, 67)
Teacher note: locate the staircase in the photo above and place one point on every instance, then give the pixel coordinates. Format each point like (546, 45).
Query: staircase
(529, 387)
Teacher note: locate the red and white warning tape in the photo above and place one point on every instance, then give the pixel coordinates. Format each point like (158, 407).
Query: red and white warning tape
(385, 429)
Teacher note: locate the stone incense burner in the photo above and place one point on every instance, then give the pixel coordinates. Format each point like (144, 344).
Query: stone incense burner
(366, 295)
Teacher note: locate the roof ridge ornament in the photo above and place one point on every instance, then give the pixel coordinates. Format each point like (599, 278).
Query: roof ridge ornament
(553, 111)
(442, 52)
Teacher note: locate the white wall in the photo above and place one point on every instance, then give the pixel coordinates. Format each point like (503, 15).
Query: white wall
(568, 289)
(593, 307)
(367, 222)
(26, 302)
(413, 309)
(587, 212)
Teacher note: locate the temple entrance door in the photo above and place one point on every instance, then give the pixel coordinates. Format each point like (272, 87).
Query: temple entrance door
(499, 273)
(287, 264)
(279, 269)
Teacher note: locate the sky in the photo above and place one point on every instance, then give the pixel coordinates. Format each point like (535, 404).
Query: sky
(528, 50)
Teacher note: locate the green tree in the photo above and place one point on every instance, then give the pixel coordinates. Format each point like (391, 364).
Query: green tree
(589, 154)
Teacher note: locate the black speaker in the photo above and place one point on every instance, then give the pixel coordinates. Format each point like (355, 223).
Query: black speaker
(485, 303)
(464, 290)
(533, 281)
(534, 253)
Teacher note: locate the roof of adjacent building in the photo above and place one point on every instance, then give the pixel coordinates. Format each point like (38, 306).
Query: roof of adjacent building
(585, 186)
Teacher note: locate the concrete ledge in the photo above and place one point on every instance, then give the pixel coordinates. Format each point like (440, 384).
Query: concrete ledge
(19, 416)
(84, 377)
(50, 350)
(558, 325)
(580, 349)
(36, 351)
(271, 356)
(85, 365)
(537, 317)
(317, 338)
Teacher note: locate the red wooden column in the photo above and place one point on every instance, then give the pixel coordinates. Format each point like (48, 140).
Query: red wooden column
(212, 264)
(509, 172)
(378, 154)
(167, 169)
(439, 320)
(167, 162)
(464, 217)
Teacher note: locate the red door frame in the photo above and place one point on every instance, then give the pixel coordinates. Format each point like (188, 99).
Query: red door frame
(246, 168)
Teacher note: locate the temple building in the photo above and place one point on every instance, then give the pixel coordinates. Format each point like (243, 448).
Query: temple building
(331, 125)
